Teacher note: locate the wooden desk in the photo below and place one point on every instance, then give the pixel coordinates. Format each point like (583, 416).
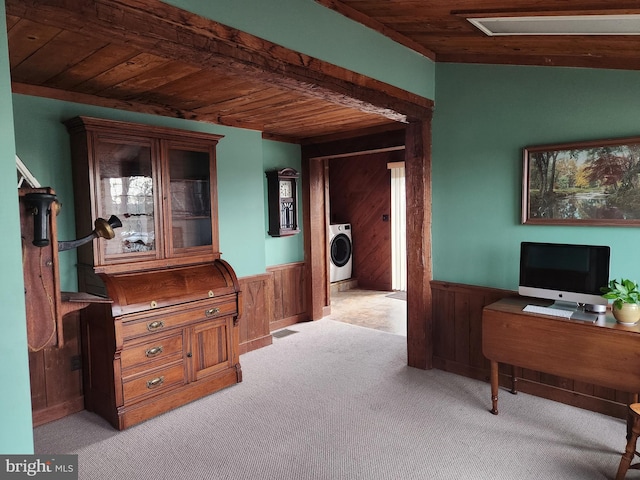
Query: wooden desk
(603, 353)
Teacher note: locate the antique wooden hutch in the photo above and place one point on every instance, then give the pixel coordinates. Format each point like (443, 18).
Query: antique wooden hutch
(170, 333)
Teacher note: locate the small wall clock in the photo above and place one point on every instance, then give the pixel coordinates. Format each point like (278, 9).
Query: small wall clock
(282, 192)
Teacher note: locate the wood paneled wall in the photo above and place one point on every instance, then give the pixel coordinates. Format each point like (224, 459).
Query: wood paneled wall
(271, 301)
(360, 194)
(56, 376)
(457, 347)
(289, 299)
(256, 312)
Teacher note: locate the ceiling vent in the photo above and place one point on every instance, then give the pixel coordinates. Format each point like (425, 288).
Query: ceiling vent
(560, 25)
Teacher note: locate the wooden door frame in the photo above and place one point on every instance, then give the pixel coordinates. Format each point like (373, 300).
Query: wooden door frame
(315, 184)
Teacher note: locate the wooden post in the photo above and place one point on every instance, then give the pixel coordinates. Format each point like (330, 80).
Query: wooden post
(419, 265)
(314, 225)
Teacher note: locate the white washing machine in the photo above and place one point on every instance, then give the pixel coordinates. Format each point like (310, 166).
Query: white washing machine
(340, 252)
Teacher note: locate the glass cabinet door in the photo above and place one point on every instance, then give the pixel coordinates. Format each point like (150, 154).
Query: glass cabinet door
(160, 182)
(126, 190)
(190, 192)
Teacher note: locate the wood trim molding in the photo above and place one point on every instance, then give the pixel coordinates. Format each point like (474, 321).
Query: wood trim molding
(284, 266)
(388, 140)
(287, 322)
(392, 165)
(254, 344)
(357, 154)
(57, 411)
(465, 288)
(258, 277)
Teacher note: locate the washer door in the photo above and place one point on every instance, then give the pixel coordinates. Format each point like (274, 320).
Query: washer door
(340, 250)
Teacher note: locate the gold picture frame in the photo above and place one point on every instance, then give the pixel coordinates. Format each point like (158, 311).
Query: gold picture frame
(584, 183)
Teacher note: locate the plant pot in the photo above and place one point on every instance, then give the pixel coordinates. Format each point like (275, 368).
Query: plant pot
(629, 314)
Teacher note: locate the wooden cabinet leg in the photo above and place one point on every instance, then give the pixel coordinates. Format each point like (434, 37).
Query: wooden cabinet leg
(514, 380)
(494, 387)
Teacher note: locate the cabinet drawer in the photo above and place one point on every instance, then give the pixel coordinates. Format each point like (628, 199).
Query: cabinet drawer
(153, 382)
(162, 349)
(161, 322)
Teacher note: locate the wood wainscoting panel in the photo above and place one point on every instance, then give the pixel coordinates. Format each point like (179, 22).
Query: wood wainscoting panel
(457, 327)
(289, 295)
(457, 348)
(256, 312)
(56, 376)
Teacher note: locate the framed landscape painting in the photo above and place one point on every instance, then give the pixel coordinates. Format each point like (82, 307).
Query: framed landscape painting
(587, 183)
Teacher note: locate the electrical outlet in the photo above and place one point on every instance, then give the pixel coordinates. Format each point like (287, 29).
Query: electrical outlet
(76, 363)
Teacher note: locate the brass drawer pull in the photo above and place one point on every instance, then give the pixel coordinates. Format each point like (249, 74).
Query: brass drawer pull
(152, 352)
(211, 311)
(155, 325)
(155, 382)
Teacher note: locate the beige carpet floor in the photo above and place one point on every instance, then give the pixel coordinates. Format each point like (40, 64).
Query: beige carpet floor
(331, 400)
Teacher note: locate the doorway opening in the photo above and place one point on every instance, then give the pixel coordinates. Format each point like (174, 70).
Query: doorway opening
(398, 227)
(366, 194)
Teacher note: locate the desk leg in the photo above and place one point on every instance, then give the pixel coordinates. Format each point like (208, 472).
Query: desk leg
(514, 380)
(494, 387)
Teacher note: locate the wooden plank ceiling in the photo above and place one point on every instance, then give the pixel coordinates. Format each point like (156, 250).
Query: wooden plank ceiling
(439, 29)
(147, 56)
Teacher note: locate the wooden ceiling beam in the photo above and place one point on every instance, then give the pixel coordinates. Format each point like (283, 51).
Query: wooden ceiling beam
(170, 32)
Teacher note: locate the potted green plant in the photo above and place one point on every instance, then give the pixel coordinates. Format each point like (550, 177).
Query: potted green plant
(625, 296)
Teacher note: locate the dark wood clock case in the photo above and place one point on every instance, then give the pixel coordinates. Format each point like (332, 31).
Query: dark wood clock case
(282, 191)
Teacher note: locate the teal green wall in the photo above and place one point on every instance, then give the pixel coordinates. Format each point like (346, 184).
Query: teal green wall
(484, 116)
(279, 250)
(16, 435)
(308, 27)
